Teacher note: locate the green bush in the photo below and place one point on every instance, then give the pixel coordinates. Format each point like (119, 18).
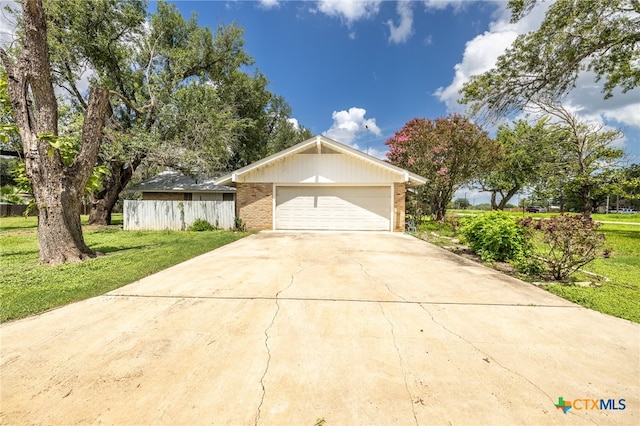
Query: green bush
(529, 265)
(496, 236)
(239, 225)
(201, 225)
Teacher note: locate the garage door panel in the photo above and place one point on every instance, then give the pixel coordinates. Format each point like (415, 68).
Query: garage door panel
(333, 208)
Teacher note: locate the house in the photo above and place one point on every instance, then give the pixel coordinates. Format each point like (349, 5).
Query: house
(172, 200)
(321, 184)
(175, 186)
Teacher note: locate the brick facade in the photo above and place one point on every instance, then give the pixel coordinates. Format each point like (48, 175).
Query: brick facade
(399, 190)
(254, 205)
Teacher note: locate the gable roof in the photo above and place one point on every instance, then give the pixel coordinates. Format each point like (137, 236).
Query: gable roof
(174, 181)
(320, 141)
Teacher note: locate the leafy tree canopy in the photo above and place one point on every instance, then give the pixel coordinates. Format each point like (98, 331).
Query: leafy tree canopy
(529, 152)
(179, 96)
(600, 36)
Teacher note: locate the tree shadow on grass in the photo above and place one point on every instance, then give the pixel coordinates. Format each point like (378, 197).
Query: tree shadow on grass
(110, 249)
(623, 233)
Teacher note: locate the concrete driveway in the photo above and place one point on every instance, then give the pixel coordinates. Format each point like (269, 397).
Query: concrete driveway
(296, 328)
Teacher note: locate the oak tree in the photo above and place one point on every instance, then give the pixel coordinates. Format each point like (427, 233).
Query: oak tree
(529, 152)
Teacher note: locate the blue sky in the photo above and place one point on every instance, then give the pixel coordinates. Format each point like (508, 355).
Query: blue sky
(358, 70)
(342, 72)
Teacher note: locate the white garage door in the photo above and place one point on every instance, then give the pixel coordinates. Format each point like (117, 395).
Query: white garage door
(364, 208)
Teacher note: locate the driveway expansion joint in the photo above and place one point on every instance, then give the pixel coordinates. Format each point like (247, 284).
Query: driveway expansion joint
(337, 299)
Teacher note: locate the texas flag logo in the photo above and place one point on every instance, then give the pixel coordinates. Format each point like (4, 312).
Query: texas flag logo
(563, 405)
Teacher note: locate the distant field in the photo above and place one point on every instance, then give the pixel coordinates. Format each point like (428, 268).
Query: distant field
(613, 217)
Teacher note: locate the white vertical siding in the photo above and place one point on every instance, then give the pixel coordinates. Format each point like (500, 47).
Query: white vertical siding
(322, 168)
(155, 215)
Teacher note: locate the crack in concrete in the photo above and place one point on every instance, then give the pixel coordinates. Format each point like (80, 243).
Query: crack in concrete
(381, 282)
(488, 356)
(404, 371)
(266, 343)
(393, 333)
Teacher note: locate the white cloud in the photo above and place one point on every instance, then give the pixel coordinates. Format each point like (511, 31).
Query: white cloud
(349, 10)
(481, 53)
(348, 125)
(7, 23)
(269, 4)
(294, 123)
(372, 151)
(588, 101)
(404, 30)
(443, 4)
(475, 196)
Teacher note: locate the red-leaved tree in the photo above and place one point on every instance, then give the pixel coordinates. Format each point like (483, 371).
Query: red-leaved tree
(448, 151)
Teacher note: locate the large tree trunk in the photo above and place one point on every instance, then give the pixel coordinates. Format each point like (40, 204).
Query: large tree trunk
(585, 198)
(103, 202)
(57, 187)
(59, 231)
(439, 202)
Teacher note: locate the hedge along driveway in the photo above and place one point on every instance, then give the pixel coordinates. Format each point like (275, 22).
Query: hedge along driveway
(290, 328)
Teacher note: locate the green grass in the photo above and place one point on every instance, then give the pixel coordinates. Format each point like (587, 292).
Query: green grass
(630, 218)
(27, 287)
(620, 296)
(21, 223)
(18, 223)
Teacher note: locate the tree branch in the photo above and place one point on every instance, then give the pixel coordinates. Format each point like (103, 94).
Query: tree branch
(128, 102)
(95, 114)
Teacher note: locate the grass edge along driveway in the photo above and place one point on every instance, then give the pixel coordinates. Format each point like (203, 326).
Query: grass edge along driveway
(28, 288)
(619, 297)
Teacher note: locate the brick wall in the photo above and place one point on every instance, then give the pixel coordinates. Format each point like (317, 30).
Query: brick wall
(254, 205)
(398, 206)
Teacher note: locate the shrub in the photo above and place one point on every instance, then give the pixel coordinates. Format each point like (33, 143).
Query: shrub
(496, 236)
(529, 265)
(239, 225)
(201, 225)
(570, 242)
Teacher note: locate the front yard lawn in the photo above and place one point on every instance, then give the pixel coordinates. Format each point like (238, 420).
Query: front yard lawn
(28, 288)
(620, 296)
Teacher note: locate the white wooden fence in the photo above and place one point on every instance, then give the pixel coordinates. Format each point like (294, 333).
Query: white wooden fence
(155, 215)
